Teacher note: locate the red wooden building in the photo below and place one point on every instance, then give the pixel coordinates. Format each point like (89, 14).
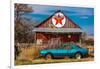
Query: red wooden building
(63, 28)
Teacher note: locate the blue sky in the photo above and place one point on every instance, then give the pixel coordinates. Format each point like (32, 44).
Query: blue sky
(84, 17)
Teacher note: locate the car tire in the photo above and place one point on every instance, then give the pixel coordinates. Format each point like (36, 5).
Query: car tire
(78, 56)
(48, 56)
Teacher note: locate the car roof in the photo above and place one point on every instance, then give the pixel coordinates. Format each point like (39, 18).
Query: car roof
(69, 45)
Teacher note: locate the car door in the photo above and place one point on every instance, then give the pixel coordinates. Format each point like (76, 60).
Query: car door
(64, 51)
(67, 50)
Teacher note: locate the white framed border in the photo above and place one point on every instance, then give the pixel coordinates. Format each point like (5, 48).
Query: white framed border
(70, 3)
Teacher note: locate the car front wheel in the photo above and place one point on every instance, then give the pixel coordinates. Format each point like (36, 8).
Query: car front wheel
(48, 56)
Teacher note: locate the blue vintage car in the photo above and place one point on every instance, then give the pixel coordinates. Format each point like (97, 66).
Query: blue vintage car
(67, 50)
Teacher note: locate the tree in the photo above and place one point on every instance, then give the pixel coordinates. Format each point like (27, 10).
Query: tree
(23, 30)
(21, 9)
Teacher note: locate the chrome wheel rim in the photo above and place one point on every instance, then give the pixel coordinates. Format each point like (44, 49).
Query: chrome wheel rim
(48, 56)
(78, 56)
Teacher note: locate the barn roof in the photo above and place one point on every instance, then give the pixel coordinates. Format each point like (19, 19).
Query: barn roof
(55, 13)
(60, 30)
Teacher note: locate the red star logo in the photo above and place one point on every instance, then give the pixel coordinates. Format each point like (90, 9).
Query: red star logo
(58, 19)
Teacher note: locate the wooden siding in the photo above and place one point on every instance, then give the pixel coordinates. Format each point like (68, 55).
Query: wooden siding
(63, 37)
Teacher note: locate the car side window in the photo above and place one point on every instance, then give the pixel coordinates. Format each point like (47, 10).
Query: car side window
(68, 47)
(76, 47)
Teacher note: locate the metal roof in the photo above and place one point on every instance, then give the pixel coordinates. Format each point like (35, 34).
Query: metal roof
(61, 30)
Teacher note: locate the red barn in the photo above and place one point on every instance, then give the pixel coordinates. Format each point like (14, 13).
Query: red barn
(60, 26)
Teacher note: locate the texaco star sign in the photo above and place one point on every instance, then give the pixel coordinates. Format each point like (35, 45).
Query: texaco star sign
(58, 20)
